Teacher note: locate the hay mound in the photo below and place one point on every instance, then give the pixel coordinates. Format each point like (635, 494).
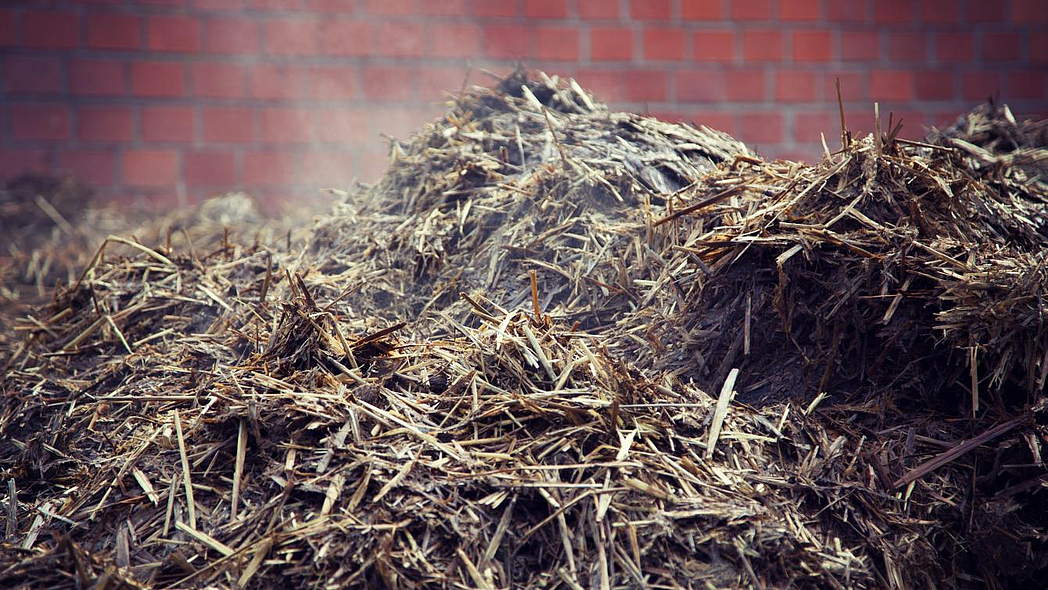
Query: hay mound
(898, 267)
(520, 360)
(57, 227)
(535, 177)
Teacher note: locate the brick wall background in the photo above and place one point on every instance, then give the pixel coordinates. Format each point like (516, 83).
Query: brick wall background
(167, 101)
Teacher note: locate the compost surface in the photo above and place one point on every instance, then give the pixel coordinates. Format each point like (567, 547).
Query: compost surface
(557, 347)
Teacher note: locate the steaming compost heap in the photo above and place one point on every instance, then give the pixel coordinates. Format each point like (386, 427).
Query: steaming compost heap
(557, 346)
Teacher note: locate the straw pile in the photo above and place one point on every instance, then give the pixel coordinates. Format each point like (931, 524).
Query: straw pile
(521, 360)
(53, 227)
(38, 244)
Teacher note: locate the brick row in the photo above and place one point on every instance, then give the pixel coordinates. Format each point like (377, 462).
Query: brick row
(151, 79)
(117, 124)
(178, 98)
(883, 12)
(648, 40)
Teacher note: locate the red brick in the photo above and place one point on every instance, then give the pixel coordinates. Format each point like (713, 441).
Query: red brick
(150, 168)
(105, 123)
(33, 75)
(396, 122)
(907, 47)
(934, 85)
(599, 9)
(940, 11)
(813, 153)
(227, 35)
(50, 30)
(701, 10)
(810, 127)
(277, 82)
(912, 122)
(860, 46)
(1039, 47)
(812, 46)
(546, 8)
(751, 9)
(280, 5)
(269, 168)
(796, 86)
(714, 46)
(854, 11)
(174, 33)
(719, 120)
(169, 3)
(700, 86)
(1029, 11)
(745, 85)
(611, 44)
(943, 118)
(434, 111)
(292, 36)
(761, 128)
(209, 169)
(334, 82)
(669, 116)
(372, 164)
(344, 37)
(441, 7)
(557, 43)
(507, 42)
(499, 69)
(954, 47)
(19, 161)
(650, 9)
(167, 123)
(388, 83)
(158, 79)
(342, 126)
(324, 169)
(799, 10)
(114, 31)
(454, 40)
(980, 85)
(761, 45)
(1002, 46)
(93, 166)
(217, 80)
(8, 32)
(1025, 85)
(663, 43)
(893, 11)
(226, 125)
(228, 5)
(397, 40)
(40, 122)
(393, 7)
(96, 78)
(646, 86)
(986, 12)
(853, 85)
(606, 85)
(495, 8)
(891, 85)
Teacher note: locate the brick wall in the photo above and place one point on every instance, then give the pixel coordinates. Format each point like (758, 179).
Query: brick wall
(171, 100)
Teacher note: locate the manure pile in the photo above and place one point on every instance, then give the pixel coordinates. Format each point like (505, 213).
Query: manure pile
(53, 228)
(561, 347)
